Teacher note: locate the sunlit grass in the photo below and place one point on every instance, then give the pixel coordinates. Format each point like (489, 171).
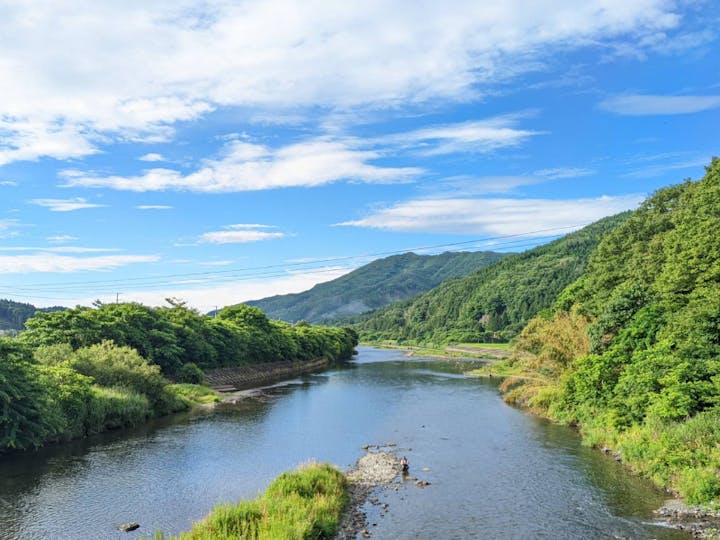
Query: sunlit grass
(304, 504)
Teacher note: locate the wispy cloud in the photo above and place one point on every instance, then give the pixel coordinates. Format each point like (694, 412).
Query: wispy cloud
(153, 207)
(61, 238)
(559, 173)
(207, 295)
(501, 216)
(241, 234)
(57, 249)
(480, 136)
(181, 61)
(216, 263)
(646, 105)
(8, 228)
(8, 183)
(250, 167)
(65, 205)
(48, 262)
(152, 157)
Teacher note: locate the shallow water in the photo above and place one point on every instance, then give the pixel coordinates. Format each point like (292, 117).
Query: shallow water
(495, 472)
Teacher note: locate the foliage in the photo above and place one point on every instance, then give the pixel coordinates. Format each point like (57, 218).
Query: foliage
(14, 314)
(25, 418)
(496, 302)
(374, 285)
(175, 336)
(304, 504)
(190, 373)
(81, 371)
(649, 382)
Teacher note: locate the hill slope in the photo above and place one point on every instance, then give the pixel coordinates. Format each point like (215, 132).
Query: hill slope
(374, 285)
(631, 353)
(14, 314)
(495, 302)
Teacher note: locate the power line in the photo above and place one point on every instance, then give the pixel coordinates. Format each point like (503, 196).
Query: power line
(279, 271)
(258, 271)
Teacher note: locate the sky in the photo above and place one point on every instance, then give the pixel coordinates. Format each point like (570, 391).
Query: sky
(218, 152)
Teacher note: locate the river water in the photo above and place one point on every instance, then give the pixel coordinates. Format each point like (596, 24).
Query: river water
(494, 471)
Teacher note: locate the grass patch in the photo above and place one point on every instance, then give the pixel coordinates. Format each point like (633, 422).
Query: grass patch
(499, 346)
(193, 394)
(304, 504)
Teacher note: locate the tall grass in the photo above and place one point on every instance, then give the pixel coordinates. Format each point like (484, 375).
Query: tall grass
(299, 505)
(116, 407)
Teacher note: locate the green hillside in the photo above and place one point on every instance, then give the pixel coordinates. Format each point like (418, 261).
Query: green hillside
(374, 285)
(632, 352)
(14, 314)
(493, 303)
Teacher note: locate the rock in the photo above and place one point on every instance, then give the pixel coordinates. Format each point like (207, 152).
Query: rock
(422, 483)
(127, 527)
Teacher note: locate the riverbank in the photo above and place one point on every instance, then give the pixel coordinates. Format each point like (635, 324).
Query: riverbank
(232, 379)
(662, 453)
(471, 351)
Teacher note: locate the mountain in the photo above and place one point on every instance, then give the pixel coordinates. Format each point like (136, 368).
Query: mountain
(14, 314)
(374, 285)
(494, 302)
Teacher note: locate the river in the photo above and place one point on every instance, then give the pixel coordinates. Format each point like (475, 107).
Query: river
(494, 471)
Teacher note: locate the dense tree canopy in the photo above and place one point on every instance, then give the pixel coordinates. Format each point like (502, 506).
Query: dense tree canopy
(85, 370)
(647, 380)
(493, 303)
(374, 285)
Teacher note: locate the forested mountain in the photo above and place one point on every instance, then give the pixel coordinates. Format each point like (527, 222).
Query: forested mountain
(14, 314)
(632, 350)
(374, 285)
(495, 302)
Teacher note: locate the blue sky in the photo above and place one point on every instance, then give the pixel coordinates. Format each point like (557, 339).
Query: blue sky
(225, 151)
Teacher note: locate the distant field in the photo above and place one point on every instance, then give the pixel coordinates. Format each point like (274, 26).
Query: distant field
(503, 346)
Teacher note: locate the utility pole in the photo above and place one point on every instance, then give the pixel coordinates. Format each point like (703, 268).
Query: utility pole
(117, 298)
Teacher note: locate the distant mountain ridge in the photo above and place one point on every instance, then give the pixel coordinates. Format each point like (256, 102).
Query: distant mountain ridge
(493, 303)
(14, 314)
(374, 285)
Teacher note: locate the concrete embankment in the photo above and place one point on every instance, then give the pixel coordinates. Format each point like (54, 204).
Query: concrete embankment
(242, 377)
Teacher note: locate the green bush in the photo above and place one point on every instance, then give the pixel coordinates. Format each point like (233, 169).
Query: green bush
(190, 373)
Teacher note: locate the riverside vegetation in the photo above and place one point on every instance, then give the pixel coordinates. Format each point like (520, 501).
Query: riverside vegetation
(630, 352)
(80, 371)
(303, 504)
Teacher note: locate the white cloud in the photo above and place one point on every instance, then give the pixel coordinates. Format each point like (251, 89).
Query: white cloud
(241, 233)
(58, 249)
(7, 228)
(646, 105)
(559, 173)
(61, 238)
(154, 207)
(216, 263)
(502, 216)
(473, 136)
(65, 205)
(48, 262)
(230, 291)
(152, 157)
(8, 183)
(180, 59)
(248, 167)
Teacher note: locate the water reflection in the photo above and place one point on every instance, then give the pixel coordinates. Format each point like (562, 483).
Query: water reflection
(495, 472)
